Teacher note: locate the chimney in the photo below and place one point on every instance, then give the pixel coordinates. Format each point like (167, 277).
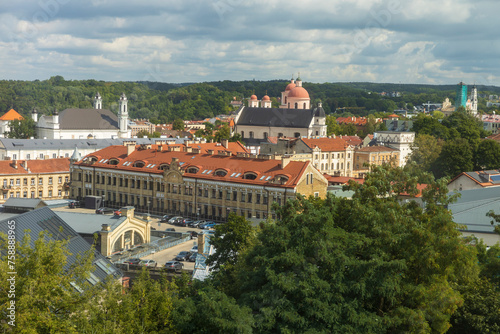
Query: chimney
(225, 143)
(106, 227)
(14, 164)
(284, 161)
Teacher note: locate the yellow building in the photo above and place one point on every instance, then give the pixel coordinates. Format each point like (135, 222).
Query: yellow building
(44, 179)
(195, 182)
(374, 155)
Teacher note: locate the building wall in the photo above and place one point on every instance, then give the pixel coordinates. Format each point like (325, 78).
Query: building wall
(76, 134)
(44, 186)
(258, 131)
(177, 193)
(463, 183)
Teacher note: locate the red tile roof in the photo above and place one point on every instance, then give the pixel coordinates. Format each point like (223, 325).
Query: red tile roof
(235, 166)
(353, 120)
(47, 166)
(327, 144)
(342, 179)
(11, 115)
(353, 140)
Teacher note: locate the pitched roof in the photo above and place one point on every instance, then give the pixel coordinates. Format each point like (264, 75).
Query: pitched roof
(207, 164)
(24, 202)
(327, 144)
(276, 117)
(59, 165)
(485, 178)
(96, 119)
(342, 179)
(11, 115)
(44, 219)
(353, 140)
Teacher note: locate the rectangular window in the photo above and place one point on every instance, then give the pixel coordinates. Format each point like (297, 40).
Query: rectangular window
(12, 182)
(265, 199)
(25, 194)
(200, 191)
(242, 197)
(28, 156)
(59, 179)
(40, 194)
(206, 192)
(121, 182)
(50, 193)
(25, 181)
(54, 156)
(109, 180)
(126, 183)
(59, 193)
(32, 194)
(228, 195)
(50, 180)
(214, 193)
(220, 194)
(235, 195)
(249, 199)
(132, 183)
(18, 183)
(174, 189)
(138, 184)
(257, 199)
(114, 180)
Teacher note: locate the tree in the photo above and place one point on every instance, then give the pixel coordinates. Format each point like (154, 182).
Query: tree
(229, 240)
(331, 126)
(425, 151)
(223, 133)
(366, 264)
(211, 311)
(144, 133)
(456, 157)
(487, 155)
(178, 124)
(45, 293)
(22, 129)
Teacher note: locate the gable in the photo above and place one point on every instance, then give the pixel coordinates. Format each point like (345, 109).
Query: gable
(275, 117)
(83, 119)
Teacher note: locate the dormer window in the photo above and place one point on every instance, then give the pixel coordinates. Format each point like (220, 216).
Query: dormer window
(92, 159)
(113, 161)
(139, 164)
(163, 167)
(220, 172)
(281, 179)
(250, 176)
(192, 170)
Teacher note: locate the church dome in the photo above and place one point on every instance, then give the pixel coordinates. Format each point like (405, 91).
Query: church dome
(253, 97)
(290, 86)
(299, 92)
(266, 98)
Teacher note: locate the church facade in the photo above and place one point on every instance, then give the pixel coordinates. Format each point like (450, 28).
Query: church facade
(95, 123)
(294, 117)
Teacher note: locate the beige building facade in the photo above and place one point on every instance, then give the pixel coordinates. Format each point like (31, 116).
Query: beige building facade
(193, 184)
(43, 179)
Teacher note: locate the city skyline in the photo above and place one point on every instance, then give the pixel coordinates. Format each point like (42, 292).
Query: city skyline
(195, 41)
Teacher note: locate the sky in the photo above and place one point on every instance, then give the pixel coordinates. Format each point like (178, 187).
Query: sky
(177, 41)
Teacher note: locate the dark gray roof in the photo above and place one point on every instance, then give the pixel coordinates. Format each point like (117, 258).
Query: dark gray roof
(276, 117)
(45, 144)
(17, 202)
(44, 219)
(102, 119)
(471, 208)
(88, 223)
(319, 112)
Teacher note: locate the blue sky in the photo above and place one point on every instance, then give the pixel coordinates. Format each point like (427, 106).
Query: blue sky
(425, 41)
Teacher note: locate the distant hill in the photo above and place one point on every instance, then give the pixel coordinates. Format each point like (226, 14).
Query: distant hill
(164, 102)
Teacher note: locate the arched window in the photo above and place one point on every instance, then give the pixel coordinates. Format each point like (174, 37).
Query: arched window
(286, 99)
(280, 135)
(296, 105)
(297, 135)
(265, 135)
(242, 134)
(139, 164)
(220, 172)
(250, 176)
(305, 105)
(113, 161)
(163, 167)
(192, 170)
(322, 166)
(251, 134)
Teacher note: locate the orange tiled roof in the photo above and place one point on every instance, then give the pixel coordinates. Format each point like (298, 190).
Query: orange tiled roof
(11, 115)
(327, 144)
(235, 167)
(353, 140)
(354, 120)
(47, 166)
(342, 179)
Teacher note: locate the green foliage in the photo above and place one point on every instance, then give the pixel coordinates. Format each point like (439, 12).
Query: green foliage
(425, 151)
(211, 311)
(22, 129)
(44, 293)
(487, 155)
(144, 133)
(178, 124)
(456, 157)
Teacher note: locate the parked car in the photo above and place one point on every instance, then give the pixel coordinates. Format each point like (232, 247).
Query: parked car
(194, 249)
(135, 261)
(165, 218)
(185, 222)
(73, 204)
(174, 265)
(117, 213)
(182, 256)
(207, 225)
(194, 234)
(174, 219)
(148, 263)
(192, 258)
(102, 211)
(196, 223)
(171, 229)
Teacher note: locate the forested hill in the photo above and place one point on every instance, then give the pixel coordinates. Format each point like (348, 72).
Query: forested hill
(163, 102)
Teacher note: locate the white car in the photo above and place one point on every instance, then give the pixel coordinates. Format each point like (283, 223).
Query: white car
(174, 219)
(194, 249)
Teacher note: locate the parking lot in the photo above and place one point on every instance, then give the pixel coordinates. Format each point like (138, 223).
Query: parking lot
(165, 255)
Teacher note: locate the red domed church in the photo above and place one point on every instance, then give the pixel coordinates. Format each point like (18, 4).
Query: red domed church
(293, 118)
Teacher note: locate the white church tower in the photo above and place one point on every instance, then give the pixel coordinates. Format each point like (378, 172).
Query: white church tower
(473, 100)
(123, 117)
(98, 101)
